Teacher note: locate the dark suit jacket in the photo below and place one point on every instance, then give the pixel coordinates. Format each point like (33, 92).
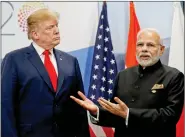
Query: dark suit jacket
(30, 108)
(152, 112)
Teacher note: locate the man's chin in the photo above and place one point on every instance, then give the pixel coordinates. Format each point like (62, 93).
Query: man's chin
(148, 62)
(57, 42)
(145, 63)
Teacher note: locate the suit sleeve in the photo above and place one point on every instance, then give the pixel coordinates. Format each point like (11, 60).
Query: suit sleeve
(8, 89)
(106, 118)
(168, 115)
(82, 126)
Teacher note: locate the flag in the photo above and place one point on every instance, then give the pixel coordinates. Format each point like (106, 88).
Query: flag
(176, 54)
(104, 68)
(134, 28)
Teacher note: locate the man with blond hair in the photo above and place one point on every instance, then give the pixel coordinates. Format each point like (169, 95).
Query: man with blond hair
(148, 98)
(36, 84)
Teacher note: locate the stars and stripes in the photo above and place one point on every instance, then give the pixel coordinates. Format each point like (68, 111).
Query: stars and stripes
(104, 70)
(104, 66)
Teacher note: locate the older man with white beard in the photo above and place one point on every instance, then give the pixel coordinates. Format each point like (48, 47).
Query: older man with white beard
(148, 98)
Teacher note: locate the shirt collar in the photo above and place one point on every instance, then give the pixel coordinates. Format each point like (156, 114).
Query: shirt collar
(152, 68)
(40, 50)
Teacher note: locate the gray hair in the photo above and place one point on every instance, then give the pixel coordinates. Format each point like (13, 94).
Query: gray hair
(150, 30)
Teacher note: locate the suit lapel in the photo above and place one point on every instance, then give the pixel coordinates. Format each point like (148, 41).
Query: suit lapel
(60, 65)
(34, 58)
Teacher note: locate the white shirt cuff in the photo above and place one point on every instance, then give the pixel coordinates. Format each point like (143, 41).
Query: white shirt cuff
(95, 119)
(126, 121)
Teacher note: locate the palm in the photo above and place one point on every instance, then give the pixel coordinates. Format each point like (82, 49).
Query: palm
(85, 103)
(89, 105)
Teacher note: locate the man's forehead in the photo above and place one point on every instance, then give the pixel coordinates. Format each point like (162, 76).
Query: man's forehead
(146, 41)
(148, 36)
(150, 33)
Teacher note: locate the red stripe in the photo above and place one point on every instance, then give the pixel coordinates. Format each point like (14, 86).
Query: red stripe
(180, 126)
(108, 131)
(92, 134)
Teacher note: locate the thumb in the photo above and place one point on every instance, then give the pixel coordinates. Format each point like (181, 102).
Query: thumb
(121, 103)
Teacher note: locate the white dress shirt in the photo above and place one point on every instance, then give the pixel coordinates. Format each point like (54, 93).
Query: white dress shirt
(40, 51)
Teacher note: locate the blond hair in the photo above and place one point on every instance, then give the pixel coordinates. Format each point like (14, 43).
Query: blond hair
(39, 16)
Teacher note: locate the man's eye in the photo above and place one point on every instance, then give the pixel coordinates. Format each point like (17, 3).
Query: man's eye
(49, 28)
(139, 45)
(150, 45)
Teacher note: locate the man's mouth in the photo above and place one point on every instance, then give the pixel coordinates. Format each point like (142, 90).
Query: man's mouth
(144, 57)
(57, 38)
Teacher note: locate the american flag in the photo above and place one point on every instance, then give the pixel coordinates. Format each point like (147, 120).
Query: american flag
(104, 68)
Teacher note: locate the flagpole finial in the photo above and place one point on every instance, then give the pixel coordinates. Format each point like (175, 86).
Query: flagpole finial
(132, 3)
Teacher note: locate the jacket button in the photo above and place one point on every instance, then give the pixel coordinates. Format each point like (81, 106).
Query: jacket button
(141, 75)
(136, 87)
(132, 100)
(55, 124)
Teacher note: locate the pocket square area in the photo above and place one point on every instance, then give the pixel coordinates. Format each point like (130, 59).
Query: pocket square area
(158, 86)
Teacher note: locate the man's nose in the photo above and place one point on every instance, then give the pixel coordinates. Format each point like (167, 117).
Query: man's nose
(144, 48)
(56, 30)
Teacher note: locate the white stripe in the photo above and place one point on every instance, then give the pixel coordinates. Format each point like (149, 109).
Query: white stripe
(98, 131)
(176, 54)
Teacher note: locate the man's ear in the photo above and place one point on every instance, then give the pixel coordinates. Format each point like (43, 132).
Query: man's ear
(162, 48)
(35, 34)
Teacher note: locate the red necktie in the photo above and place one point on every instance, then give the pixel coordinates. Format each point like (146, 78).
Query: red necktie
(50, 69)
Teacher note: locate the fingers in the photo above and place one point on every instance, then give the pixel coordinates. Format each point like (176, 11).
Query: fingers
(121, 103)
(105, 104)
(80, 102)
(118, 100)
(104, 101)
(82, 95)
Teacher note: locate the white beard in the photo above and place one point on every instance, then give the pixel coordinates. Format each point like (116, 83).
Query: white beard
(150, 62)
